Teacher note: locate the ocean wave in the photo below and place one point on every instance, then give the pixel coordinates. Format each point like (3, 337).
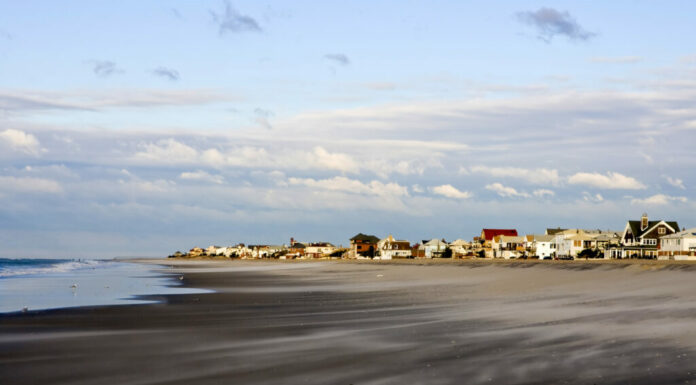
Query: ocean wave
(16, 268)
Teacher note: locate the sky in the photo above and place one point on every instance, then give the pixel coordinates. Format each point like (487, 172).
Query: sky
(137, 128)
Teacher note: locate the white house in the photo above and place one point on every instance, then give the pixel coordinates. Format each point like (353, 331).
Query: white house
(679, 246)
(460, 247)
(541, 245)
(433, 248)
(570, 242)
(319, 249)
(389, 248)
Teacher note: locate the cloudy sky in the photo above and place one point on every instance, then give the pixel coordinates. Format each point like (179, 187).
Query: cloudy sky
(141, 128)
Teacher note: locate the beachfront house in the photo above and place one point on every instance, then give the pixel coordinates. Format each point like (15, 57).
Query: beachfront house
(571, 242)
(460, 248)
(640, 239)
(679, 246)
(390, 248)
(318, 249)
(434, 248)
(541, 246)
(266, 251)
(363, 246)
(488, 234)
(508, 247)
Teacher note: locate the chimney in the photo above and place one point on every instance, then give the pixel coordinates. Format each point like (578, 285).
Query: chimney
(644, 222)
(292, 241)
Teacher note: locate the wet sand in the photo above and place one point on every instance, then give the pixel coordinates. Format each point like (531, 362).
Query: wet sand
(375, 323)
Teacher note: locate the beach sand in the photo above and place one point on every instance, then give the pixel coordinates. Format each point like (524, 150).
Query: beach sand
(374, 323)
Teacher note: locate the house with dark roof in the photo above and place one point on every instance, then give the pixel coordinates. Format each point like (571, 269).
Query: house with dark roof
(555, 231)
(641, 239)
(363, 245)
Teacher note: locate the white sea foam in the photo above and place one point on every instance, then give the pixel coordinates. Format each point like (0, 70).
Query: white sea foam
(49, 268)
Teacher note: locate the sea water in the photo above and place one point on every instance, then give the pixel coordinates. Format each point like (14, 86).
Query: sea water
(33, 284)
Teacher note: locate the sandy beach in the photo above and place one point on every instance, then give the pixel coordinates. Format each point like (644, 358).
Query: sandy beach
(374, 323)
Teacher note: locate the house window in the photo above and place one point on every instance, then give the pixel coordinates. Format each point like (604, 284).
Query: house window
(662, 231)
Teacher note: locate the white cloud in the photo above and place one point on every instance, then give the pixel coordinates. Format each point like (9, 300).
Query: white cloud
(658, 200)
(676, 182)
(450, 191)
(417, 188)
(543, 193)
(201, 175)
(353, 186)
(322, 159)
(20, 141)
(155, 186)
(29, 185)
(596, 198)
(541, 176)
(168, 151)
(612, 180)
(505, 191)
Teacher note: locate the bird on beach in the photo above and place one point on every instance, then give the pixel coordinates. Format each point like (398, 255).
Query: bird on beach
(74, 286)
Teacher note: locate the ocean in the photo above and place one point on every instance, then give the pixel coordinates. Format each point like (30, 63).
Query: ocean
(36, 284)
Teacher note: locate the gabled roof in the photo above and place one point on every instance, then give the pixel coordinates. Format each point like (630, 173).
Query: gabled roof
(490, 233)
(460, 242)
(365, 238)
(435, 242)
(637, 232)
(688, 233)
(539, 238)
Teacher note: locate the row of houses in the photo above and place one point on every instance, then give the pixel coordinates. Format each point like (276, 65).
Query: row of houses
(644, 238)
(287, 251)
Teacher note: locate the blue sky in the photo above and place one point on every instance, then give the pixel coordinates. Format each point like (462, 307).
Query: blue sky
(140, 128)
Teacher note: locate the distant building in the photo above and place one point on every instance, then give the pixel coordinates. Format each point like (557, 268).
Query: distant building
(433, 248)
(570, 242)
(318, 249)
(505, 246)
(541, 246)
(640, 239)
(678, 246)
(488, 234)
(460, 248)
(363, 245)
(390, 248)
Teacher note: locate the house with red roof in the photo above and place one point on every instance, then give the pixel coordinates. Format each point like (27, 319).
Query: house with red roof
(487, 236)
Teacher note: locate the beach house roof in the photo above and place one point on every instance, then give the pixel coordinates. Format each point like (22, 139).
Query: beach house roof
(637, 232)
(459, 242)
(539, 238)
(360, 237)
(509, 239)
(435, 242)
(688, 233)
(488, 234)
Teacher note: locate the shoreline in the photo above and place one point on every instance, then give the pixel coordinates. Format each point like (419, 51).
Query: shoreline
(372, 323)
(436, 261)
